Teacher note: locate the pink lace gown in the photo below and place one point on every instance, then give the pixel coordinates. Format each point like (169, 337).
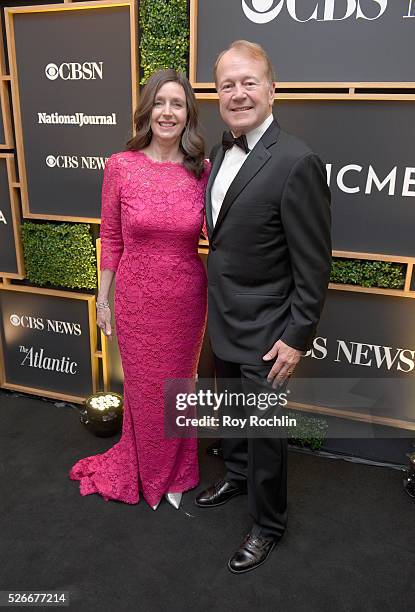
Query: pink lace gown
(152, 214)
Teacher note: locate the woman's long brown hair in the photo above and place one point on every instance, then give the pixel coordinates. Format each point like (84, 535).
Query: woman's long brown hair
(191, 144)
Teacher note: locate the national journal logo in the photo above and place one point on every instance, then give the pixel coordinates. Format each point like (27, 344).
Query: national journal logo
(78, 119)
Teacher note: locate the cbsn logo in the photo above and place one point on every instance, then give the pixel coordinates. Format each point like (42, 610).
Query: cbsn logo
(74, 71)
(59, 327)
(264, 11)
(73, 161)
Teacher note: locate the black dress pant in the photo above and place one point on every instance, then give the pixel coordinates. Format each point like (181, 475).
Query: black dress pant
(256, 463)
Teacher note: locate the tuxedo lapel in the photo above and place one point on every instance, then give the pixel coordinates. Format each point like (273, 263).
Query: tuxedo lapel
(251, 166)
(214, 171)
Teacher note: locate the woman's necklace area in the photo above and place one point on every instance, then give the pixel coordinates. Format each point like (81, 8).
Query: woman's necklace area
(155, 158)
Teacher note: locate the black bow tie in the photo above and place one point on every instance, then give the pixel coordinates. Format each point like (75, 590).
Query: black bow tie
(228, 141)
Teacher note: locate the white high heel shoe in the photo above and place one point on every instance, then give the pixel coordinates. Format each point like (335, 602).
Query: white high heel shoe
(156, 506)
(174, 499)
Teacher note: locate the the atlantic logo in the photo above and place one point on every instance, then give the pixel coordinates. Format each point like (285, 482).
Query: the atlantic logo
(38, 359)
(264, 11)
(74, 161)
(50, 325)
(74, 71)
(362, 354)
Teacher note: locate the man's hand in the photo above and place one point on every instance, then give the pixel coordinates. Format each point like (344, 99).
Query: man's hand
(284, 366)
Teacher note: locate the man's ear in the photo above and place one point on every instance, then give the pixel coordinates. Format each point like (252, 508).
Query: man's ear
(272, 92)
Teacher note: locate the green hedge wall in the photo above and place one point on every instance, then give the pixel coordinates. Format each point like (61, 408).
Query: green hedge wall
(368, 273)
(164, 36)
(64, 255)
(61, 255)
(310, 431)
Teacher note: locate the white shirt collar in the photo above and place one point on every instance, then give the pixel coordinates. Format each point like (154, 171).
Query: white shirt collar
(254, 135)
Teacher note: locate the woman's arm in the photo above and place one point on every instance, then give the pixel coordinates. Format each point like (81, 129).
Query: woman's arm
(112, 244)
(103, 309)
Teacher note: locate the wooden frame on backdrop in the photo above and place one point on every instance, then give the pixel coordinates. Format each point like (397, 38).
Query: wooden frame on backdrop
(15, 211)
(349, 415)
(66, 6)
(5, 104)
(103, 353)
(409, 262)
(209, 95)
(5, 111)
(90, 299)
(349, 87)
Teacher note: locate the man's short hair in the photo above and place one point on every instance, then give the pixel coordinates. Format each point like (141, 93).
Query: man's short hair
(252, 49)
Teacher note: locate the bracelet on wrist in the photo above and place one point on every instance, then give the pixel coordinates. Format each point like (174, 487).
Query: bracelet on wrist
(102, 304)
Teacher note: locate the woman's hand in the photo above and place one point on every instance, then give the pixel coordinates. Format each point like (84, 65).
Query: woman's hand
(103, 307)
(104, 320)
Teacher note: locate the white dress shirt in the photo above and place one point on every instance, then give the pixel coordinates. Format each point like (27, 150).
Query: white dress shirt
(231, 164)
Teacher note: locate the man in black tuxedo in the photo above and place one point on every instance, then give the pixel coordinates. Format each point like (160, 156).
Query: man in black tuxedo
(268, 221)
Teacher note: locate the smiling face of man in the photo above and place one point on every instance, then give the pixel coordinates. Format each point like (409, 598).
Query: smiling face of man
(245, 94)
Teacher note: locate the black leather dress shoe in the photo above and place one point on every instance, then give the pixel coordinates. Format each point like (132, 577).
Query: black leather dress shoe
(252, 553)
(218, 494)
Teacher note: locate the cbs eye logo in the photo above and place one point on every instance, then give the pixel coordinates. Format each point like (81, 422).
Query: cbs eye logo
(262, 11)
(52, 72)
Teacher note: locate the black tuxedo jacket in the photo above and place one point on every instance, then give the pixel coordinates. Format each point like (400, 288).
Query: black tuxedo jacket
(270, 250)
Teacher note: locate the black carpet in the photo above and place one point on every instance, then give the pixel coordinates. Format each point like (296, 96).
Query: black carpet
(349, 546)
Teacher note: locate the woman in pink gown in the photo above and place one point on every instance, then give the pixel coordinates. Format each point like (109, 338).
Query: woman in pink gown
(152, 215)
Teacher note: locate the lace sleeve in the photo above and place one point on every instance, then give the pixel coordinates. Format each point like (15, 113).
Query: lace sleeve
(112, 244)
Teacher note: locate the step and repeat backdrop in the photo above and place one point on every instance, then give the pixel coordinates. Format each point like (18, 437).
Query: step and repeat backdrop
(362, 363)
(49, 342)
(368, 148)
(6, 132)
(11, 257)
(310, 43)
(70, 70)
(72, 89)
(351, 97)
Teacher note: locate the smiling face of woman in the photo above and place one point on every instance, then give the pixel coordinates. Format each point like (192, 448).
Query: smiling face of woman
(169, 114)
